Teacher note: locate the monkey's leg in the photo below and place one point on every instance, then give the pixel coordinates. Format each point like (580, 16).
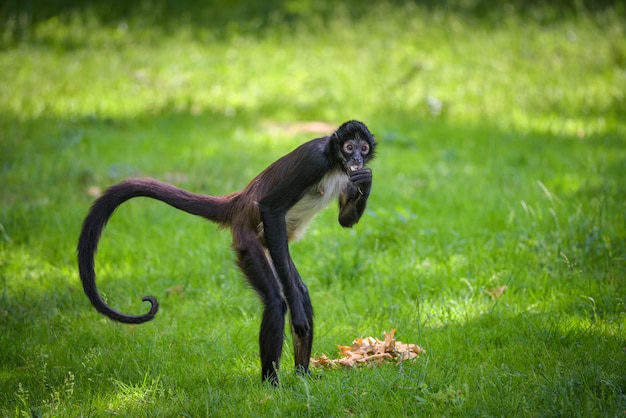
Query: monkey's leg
(252, 261)
(302, 350)
(302, 345)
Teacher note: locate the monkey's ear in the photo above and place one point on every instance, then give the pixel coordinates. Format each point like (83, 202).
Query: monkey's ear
(334, 147)
(336, 141)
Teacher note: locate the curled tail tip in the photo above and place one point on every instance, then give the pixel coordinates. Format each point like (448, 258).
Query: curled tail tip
(154, 308)
(130, 319)
(106, 310)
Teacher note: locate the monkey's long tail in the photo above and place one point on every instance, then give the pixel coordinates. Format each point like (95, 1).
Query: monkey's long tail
(213, 208)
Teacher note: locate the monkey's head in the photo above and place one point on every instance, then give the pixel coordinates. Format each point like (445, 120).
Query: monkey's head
(354, 144)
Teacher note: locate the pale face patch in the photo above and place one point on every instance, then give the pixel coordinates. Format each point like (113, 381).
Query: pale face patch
(355, 152)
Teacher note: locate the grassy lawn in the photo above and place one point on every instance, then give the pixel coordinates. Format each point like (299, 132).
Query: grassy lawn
(495, 236)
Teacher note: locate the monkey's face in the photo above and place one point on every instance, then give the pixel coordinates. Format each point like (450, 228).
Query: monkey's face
(356, 152)
(354, 145)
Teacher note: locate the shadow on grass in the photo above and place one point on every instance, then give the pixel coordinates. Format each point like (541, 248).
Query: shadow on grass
(48, 327)
(222, 17)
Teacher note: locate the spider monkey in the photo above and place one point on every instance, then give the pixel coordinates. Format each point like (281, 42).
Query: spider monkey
(272, 210)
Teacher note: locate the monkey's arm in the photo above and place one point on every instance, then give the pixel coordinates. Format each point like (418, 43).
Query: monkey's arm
(354, 199)
(300, 171)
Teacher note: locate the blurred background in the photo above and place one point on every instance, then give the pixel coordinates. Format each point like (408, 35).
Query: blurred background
(494, 237)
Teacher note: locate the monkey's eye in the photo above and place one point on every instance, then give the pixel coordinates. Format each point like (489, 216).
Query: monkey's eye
(348, 148)
(365, 149)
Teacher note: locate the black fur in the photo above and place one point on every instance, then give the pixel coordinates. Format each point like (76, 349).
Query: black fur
(272, 210)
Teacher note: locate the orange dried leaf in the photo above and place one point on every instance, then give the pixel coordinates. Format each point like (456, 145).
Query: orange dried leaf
(176, 289)
(496, 292)
(370, 350)
(389, 337)
(344, 348)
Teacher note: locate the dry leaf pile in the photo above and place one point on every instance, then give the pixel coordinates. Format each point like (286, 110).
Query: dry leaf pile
(370, 350)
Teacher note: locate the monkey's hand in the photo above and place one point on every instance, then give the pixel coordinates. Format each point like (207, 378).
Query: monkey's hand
(362, 180)
(301, 311)
(352, 202)
(300, 323)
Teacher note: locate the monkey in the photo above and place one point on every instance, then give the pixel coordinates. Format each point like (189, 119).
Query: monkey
(274, 209)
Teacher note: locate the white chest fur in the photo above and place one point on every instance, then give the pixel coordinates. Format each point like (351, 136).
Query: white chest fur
(315, 200)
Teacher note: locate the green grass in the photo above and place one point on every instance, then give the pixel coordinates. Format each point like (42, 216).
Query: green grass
(502, 162)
